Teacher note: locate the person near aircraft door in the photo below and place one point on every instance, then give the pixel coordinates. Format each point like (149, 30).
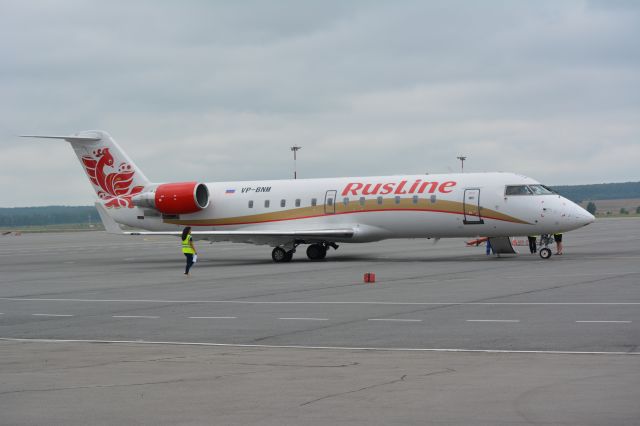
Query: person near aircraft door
(558, 239)
(188, 249)
(532, 244)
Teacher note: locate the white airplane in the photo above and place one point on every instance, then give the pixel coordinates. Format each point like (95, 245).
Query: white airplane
(322, 212)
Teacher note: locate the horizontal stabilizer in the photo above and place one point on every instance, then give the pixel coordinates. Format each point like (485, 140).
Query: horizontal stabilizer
(71, 138)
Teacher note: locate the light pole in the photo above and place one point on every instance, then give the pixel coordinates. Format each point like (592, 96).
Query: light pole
(462, 158)
(295, 149)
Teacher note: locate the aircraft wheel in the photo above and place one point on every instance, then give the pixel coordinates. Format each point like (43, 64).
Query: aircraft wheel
(316, 252)
(289, 256)
(545, 253)
(280, 255)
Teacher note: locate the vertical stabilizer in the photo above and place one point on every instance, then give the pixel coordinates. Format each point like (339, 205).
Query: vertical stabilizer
(114, 176)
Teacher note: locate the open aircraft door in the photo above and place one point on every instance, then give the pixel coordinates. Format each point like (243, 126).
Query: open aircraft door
(471, 207)
(330, 202)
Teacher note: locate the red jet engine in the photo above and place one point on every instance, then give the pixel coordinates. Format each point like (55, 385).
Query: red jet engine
(175, 198)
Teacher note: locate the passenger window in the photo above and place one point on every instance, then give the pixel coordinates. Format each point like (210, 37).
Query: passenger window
(314, 202)
(415, 199)
(433, 199)
(379, 200)
(251, 204)
(297, 202)
(345, 201)
(283, 203)
(266, 204)
(397, 197)
(329, 201)
(362, 201)
(517, 190)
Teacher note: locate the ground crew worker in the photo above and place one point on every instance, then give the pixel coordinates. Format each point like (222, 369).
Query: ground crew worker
(533, 248)
(489, 248)
(558, 239)
(188, 249)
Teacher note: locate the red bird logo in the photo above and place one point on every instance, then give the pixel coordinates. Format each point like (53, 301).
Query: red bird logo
(115, 187)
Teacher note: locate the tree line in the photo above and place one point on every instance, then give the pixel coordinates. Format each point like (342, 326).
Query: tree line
(49, 215)
(600, 191)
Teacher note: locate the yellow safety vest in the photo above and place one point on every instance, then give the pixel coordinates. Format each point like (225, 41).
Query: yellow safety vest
(186, 246)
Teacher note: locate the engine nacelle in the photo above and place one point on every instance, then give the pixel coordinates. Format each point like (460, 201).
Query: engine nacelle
(175, 198)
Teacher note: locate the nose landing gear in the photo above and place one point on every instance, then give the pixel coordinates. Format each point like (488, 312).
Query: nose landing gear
(545, 253)
(545, 241)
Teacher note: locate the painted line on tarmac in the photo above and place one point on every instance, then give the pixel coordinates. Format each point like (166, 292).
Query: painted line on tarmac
(51, 315)
(259, 302)
(135, 316)
(337, 348)
(213, 317)
(489, 320)
(394, 319)
(306, 319)
(607, 322)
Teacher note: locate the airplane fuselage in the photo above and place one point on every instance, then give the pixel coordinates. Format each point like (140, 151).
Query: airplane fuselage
(380, 207)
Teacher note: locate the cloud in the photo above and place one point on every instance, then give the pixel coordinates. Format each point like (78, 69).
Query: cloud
(220, 90)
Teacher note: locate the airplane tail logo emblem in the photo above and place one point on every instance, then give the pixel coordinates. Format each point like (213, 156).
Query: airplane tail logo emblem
(113, 187)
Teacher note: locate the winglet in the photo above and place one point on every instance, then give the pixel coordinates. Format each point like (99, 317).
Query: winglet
(110, 225)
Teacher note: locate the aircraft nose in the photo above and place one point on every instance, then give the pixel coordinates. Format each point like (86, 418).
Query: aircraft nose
(581, 216)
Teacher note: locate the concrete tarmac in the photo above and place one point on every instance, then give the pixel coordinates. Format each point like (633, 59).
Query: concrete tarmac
(446, 335)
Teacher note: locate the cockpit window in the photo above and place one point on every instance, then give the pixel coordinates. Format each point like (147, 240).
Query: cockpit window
(517, 190)
(527, 190)
(540, 190)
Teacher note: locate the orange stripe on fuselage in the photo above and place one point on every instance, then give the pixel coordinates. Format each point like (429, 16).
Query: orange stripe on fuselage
(448, 207)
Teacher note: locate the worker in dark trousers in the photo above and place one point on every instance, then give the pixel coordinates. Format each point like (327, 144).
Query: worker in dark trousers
(533, 248)
(558, 239)
(188, 249)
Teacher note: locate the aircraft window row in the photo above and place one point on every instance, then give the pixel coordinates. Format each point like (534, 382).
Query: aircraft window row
(380, 200)
(527, 190)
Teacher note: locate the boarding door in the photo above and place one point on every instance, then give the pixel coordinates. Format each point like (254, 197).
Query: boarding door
(471, 206)
(330, 202)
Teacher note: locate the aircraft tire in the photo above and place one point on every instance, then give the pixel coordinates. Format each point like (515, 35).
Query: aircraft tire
(280, 255)
(545, 253)
(316, 252)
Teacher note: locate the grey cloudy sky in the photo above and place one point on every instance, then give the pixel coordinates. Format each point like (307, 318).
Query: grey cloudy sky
(220, 90)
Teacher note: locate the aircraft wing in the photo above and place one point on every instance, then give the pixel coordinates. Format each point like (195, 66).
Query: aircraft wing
(240, 236)
(272, 237)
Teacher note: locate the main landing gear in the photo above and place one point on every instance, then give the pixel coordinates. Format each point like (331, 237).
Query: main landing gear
(316, 251)
(280, 255)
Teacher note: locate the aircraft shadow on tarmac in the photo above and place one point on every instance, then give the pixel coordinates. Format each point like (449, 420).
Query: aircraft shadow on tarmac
(219, 261)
